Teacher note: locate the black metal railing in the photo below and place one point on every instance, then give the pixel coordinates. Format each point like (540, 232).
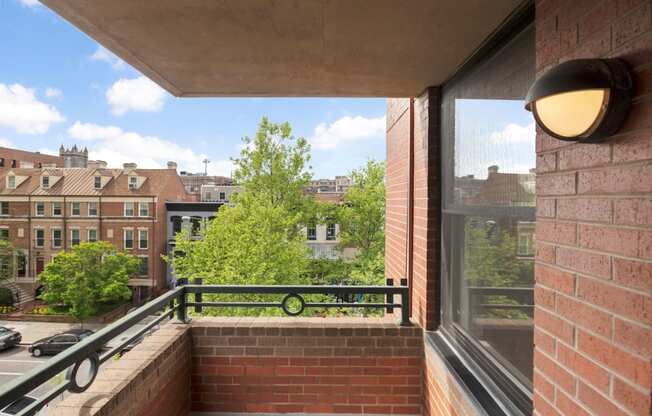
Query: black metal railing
(91, 352)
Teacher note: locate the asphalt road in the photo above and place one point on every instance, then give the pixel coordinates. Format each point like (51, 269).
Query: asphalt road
(16, 361)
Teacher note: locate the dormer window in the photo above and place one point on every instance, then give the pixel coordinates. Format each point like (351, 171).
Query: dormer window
(45, 182)
(11, 182)
(133, 182)
(98, 182)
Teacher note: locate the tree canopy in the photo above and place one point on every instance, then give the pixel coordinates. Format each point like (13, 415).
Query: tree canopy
(8, 259)
(87, 277)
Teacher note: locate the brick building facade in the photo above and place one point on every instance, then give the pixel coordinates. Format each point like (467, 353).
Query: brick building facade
(45, 211)
(14, 158)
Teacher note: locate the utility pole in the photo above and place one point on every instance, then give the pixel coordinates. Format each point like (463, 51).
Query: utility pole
(205, 162)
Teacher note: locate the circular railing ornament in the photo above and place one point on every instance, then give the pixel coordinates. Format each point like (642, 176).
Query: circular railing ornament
(292, 309)
(81, 375)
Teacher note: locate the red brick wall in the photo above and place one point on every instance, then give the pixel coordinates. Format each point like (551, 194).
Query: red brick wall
(313, 366)
(594, 238)
(419, 123)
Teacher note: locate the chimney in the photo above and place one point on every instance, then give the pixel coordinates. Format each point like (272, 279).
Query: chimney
(172, 165)
(493, 169)
(130, 165)
(97, 164)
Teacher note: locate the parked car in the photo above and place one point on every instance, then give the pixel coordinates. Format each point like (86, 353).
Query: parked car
(59, 342)
(9, 338)
(17, 406)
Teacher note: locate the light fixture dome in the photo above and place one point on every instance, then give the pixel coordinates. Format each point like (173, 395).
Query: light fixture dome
(582, 100)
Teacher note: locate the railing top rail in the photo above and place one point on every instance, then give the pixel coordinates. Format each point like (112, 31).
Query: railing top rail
(305, 289)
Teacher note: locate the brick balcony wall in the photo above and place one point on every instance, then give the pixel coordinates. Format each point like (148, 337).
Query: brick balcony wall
(593, 318)
(304, 365)
(153, 379)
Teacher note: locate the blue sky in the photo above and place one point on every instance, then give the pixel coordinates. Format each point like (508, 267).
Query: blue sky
(58, 86)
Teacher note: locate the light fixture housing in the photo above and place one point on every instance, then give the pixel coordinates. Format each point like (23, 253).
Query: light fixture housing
(583, 100)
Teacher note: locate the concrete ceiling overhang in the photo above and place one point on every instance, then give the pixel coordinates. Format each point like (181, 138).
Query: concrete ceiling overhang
(377, 48)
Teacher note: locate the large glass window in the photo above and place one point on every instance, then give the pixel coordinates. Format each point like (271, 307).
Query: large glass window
(488, 153)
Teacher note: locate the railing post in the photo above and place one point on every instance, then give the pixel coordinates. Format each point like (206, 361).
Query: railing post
(182, 313)
(389, 297)
(198, 295)
(405, 303)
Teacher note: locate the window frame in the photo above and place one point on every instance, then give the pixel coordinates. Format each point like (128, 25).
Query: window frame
(308, 233)
(38, 204)
(90, 213)
(11, 181)
(45, 182)
(133, 209)
(97, 182)
(52, 230)
(140, 209)
(72, 237)
(38, 240)
(506, 390)
(3, 205)
(56, 204)
(72, 209)
(124, 238)
(88, 235)
(140, 239)
(2, 231)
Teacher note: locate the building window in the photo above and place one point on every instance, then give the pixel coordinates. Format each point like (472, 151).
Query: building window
(143, 209)
(56, 209)
(97, 182)
(11, 182)
(330, 232)
(176, 224)
(4, 208)
(4, 233)
(488, 196)
(40, 209)
(144, 266)
(56, 238)
(2, 161)
(311, 232)
(222, 196)
(45, 182)
(143, 239)
(92, 235)
(209, 196)
(13, 163)
(75, 209)
(128, 239)
(129, 209)
(75, 238)
(39, 237)
(92, 209)
(133, 182)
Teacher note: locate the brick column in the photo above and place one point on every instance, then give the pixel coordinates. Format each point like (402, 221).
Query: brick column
(414, 120)
(593, 298)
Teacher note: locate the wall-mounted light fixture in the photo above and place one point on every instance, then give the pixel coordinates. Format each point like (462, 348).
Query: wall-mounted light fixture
(583, 100)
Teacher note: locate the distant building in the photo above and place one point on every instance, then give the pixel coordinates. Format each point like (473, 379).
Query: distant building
(323, 239)
(73, 157)
(338, 185)
(218, 193)
(194, 181)
(45, 211)
(14, 158)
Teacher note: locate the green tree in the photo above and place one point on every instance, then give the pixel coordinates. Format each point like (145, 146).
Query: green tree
(274, 164)
(87, 278)
(362, 222)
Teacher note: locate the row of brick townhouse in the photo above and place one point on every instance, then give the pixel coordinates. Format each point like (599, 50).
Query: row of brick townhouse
(47, 210)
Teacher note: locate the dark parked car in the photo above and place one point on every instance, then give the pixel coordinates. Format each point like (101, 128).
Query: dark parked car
(57, 343)
(9, 338)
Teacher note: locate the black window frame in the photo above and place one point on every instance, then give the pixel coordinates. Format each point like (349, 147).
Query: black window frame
(4, 208)
(490, 381)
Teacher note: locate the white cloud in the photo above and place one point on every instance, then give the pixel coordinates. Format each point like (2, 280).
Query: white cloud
(345, 130)
(104, 55)
(116, 147)
(30, 3)
(22, 111)
(5, 142)
(137, 94)
(53, 92)
(515, 134)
